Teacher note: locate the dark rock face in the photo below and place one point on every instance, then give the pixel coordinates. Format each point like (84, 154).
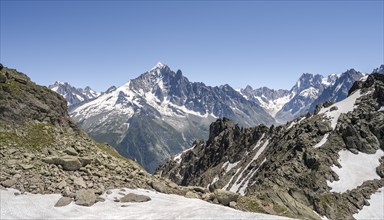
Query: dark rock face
(287, 167)
(63, 201)
(22, 102)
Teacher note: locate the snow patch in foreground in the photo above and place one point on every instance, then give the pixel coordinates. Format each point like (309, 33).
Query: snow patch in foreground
(162, 206)
(355, 169)
(375, 209)
(344, 106)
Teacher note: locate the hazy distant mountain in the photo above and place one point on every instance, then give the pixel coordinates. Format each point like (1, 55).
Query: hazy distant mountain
(309, 90)
(161, 112)
(379, 70)
(271, 100)
(74, 95)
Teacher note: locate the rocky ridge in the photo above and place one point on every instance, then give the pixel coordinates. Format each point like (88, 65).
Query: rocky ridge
(291, 170)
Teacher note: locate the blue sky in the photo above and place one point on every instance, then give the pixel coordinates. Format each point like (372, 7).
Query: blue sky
(260, 43)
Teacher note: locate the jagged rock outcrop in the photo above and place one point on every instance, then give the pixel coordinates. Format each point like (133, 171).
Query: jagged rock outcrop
(300, 167)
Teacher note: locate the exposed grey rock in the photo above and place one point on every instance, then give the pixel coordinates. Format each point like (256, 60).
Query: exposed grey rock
(131, 197)
(192, 195)
(9, 183)
(232, 204)
(100, 199)
(63, 201)
(160, 187)
(71, 151)
(80, 182)
(26, 166)
(225, 197)
(85, 197)
(69, 163)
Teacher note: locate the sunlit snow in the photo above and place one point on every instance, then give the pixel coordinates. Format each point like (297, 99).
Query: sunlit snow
(322, 142)
(275, 105)
(228, 166)
(162, 206)
(375, 209)
(355, 169)
(236, 185)
(344, 106)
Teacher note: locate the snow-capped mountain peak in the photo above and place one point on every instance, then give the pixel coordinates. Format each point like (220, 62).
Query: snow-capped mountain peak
(159, 65)
(379, 69)
(160, 112)
(72, 94)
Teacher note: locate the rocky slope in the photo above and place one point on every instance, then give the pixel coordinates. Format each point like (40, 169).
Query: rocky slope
(44, 151)
(160, 113)
(325, 164)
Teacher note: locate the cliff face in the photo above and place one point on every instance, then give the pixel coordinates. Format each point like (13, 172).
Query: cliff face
(319, 162)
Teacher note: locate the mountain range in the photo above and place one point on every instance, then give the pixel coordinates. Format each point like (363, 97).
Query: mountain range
(161, 112)
(74, 96)
(326, 164)
(50, 168)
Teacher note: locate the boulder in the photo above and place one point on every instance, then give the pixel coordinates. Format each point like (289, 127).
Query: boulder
(131, 197)
(63, 201)
(85, 197)
(192, 195)
(9, 183)
(26, 166)
(160, 187)
(85, 160)
(225, 197)
(232, 204)
(71, 151)
(70, 163)
(80, 182)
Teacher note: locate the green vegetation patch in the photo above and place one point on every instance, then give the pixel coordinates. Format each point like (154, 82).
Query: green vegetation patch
(34, 137)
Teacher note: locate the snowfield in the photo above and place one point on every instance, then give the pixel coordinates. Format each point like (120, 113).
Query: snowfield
(162, 206)
(355, 169)
(344, 106)
(375, 209)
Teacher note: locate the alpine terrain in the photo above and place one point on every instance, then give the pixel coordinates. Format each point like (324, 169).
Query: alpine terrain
(44, 151)
(51, 169)
(309, 91)
(160, 113)
(326, 164)
(74, 96)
